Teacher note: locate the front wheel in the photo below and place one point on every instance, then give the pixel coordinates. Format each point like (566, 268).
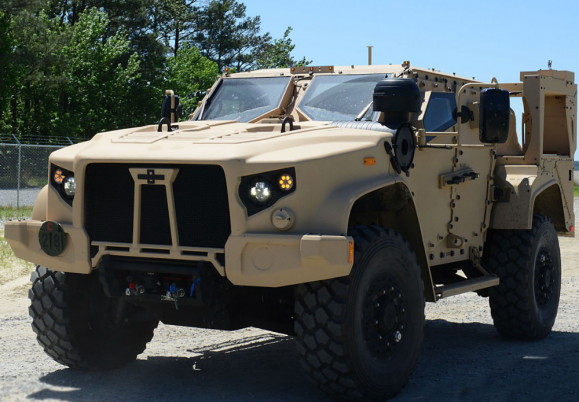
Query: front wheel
(528, 262)
(78, 326)
(359, 336)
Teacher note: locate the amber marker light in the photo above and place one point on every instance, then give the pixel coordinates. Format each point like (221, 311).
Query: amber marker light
(369, 161)
(58, 176)
(286, 182)
(351, 252)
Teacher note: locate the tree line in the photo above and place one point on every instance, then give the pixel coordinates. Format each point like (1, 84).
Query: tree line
(78, 67)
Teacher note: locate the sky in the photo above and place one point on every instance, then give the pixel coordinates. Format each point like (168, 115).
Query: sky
(481, 39)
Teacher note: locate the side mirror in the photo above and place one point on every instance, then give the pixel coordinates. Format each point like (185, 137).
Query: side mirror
(495, 116)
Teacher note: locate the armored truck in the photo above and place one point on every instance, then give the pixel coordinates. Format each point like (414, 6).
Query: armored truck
(325, 202)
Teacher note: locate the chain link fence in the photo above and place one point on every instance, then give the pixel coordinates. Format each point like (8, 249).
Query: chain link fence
(24, 168)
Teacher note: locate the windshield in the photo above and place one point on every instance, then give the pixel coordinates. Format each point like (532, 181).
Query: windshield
(339, 97)
(244, 99)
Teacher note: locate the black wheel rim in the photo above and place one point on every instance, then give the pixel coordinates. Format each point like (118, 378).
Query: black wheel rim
(383, 318)
(544, 277)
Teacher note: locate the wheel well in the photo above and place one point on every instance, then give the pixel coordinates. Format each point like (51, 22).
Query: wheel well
(549, 203)
(393, 207)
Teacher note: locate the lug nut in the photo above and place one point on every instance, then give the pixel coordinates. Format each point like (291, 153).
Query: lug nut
(375, 322)
(397, 336)
(376, 305)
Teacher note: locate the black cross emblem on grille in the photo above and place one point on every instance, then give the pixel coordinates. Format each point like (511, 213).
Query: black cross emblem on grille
(151, 176)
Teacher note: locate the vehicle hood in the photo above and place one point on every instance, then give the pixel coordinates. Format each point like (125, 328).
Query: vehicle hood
(215, 141)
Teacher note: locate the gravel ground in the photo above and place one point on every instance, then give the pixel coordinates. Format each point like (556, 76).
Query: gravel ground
(463, 359)
(27, 196)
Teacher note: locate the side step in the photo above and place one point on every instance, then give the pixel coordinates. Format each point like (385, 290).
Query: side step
(469, 285)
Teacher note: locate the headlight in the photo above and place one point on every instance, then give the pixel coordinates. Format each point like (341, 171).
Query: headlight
(69, 186)
(62, 180)
(260, 191)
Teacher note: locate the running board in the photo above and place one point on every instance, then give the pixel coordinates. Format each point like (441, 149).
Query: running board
(469, 285)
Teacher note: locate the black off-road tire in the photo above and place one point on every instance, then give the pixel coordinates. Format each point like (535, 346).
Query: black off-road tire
(343, 325)
(72, 319)
(528, 262)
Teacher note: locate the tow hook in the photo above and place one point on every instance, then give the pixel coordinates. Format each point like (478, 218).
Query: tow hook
(134, 290)
(174, 294)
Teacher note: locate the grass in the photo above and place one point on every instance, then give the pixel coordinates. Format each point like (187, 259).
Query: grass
(7, 213)
(575, 189)
(11, 267)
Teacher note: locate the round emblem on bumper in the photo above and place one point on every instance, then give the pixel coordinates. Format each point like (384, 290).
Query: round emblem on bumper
(52, 238)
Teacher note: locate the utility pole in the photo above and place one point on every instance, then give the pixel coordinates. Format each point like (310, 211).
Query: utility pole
(370, 55)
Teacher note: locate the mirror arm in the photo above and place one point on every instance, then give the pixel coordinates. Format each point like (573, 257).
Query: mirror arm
(363, 112)
(172, 94)
(462, 90)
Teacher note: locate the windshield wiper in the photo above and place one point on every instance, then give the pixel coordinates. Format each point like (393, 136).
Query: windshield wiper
(363, 112)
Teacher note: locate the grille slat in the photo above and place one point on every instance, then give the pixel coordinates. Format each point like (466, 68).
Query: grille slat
(201, 205)
(155, 224)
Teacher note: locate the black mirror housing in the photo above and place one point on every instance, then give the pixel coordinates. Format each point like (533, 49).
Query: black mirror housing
(495, 116)
(166, 108)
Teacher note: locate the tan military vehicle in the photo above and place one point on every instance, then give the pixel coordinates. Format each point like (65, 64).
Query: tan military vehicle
(326, 202)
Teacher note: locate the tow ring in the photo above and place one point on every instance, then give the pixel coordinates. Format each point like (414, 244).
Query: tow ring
(287, 120)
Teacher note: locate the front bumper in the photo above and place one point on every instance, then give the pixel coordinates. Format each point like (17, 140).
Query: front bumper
(23, 238)
(250, 259)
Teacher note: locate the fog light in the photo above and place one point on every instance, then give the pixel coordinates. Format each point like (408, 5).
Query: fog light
(282, 218)
(69, 186)
(260, 191)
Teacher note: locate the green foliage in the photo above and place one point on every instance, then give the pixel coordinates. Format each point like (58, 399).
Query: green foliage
(189, 75)
(98, 85)
(278, 55)
(7, 69)
(74, 68)
(228, 37)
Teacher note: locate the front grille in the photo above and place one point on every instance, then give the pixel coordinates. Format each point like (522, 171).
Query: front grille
(201, 205)
(109, 195)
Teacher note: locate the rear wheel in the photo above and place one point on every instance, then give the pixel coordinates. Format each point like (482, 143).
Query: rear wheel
(359, 336)
(528, 262)
(78, 326)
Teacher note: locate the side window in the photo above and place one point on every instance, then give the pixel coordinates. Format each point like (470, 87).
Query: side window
(438, 115)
